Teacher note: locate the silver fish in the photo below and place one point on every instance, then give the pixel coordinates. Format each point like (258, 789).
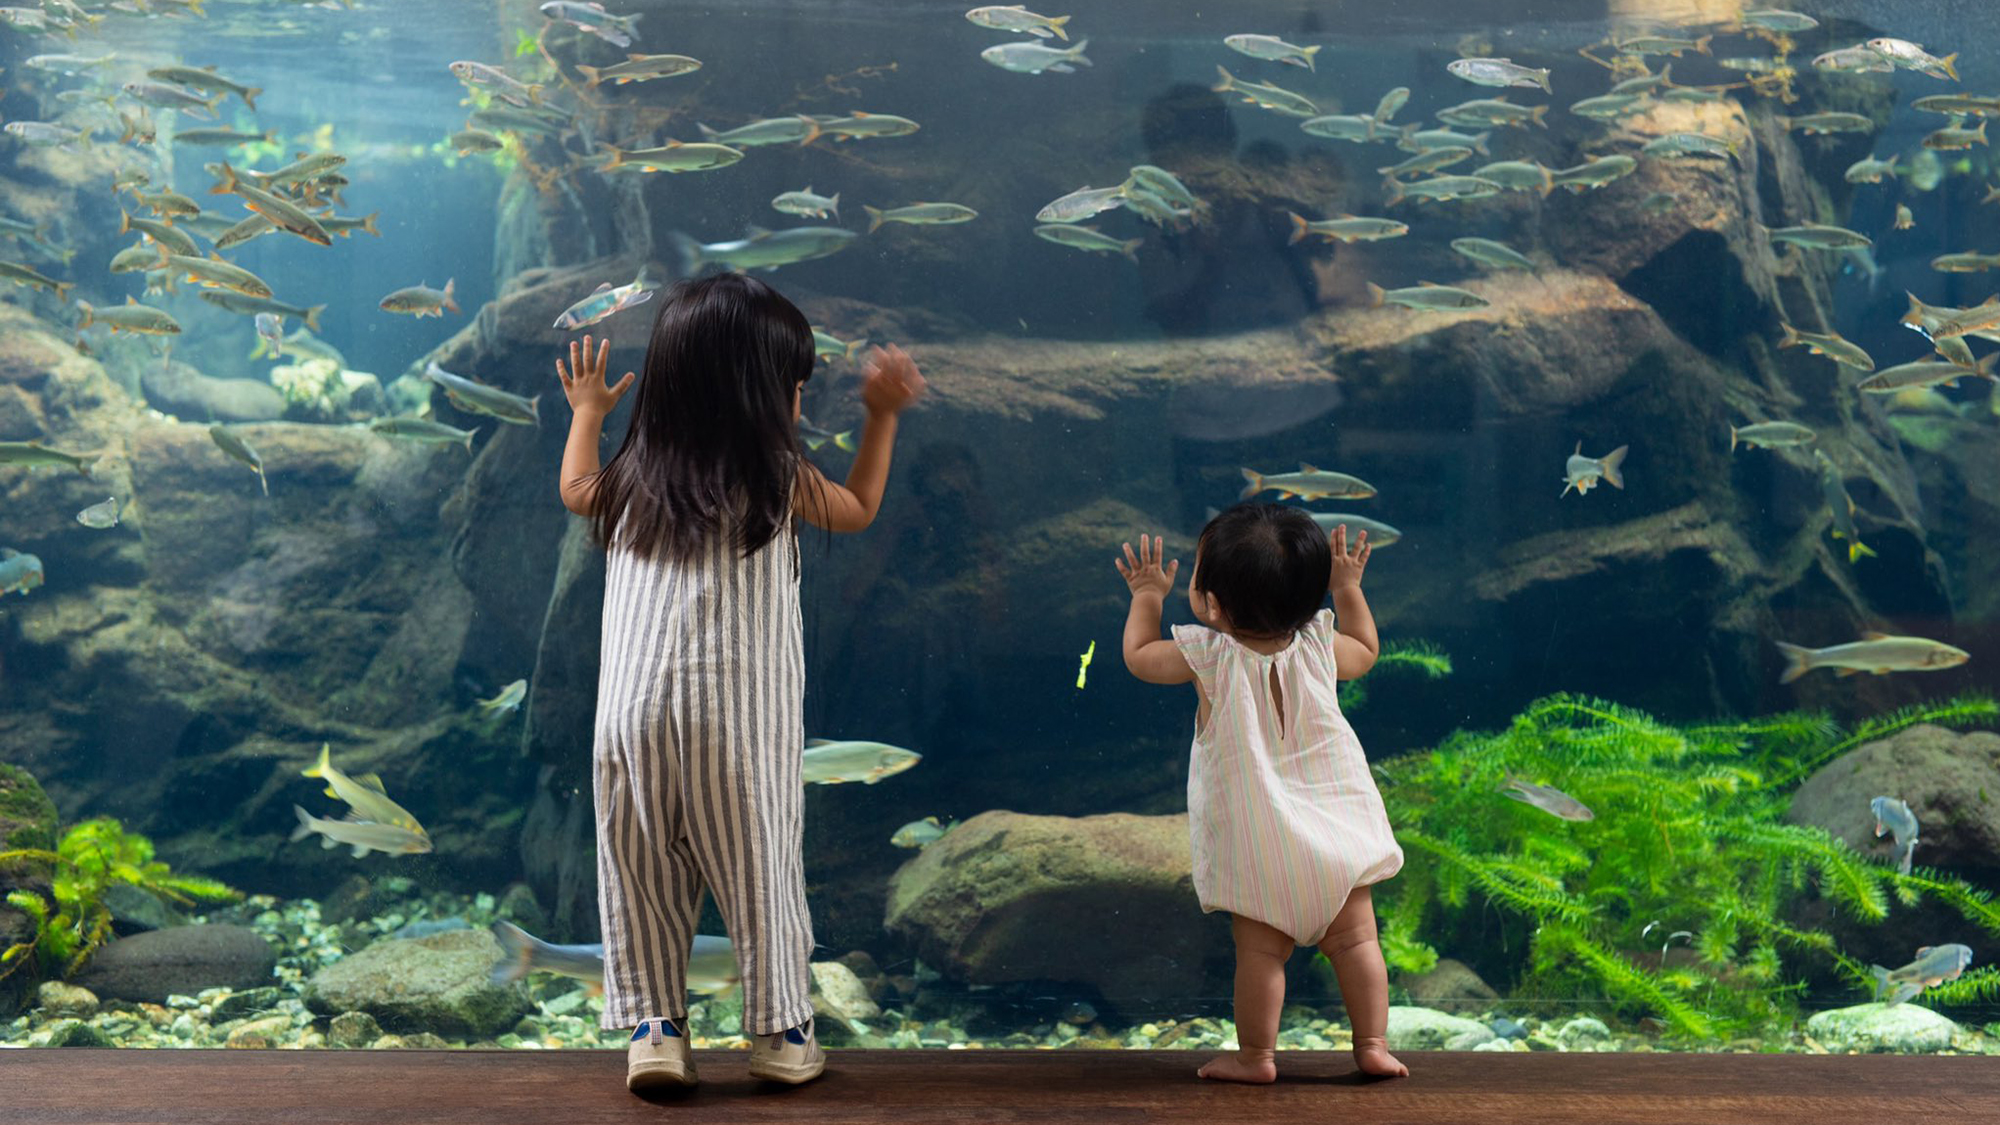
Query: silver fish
(1905, 55)
(831, 763)
(19, 572)
(1015, 18)
(1894, 816)
(508, 701)
(1081, 204)
(1031, 57)
(423, 430)
(364, 794)
(1499, 72)
(1274, 98)
(1582, 472)
(228, 441)
(362, 836)
(1935, 964)
(765, 249)
(919, 834)
(1426, 296)
(711, 964)
(1770, 435)
(100, 515)
(1547, 798)
(615, 30)
(1498, 255)
(1876, 653)
(479, 398)
(1309, 483)
(1271, 49)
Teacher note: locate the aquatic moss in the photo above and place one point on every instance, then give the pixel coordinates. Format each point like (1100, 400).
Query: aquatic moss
(1688, 842)
(26, 808)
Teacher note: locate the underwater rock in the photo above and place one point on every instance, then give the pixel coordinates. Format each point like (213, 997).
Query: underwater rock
(439, 984)
(177, 389)
(352, 1029)
(1902, 1029)
(135, 910)
(1423, 1029)
(76, 1033)
(1009, 897)
(1450, 986)
(319, 390)
(839, 995)
(1584, 1034)
(58, 999)
(184, 959)
(1950, 779)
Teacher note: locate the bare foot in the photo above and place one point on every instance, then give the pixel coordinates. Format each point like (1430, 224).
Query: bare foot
(1243, 1066)
(1373, 1057)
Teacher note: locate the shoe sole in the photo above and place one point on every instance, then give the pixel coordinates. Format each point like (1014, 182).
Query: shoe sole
(790, 1075)
(654, 1076)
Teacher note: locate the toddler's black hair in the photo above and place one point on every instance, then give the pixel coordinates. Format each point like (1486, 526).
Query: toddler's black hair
(1266, 566)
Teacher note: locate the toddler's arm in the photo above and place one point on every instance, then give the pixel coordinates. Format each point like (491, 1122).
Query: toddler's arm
(590, 401)
(892, 383)
(1355, 646)
(1147, 656)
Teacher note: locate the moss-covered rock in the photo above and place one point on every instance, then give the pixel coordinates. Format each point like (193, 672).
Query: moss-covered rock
(1901, 1029)
(440, 984)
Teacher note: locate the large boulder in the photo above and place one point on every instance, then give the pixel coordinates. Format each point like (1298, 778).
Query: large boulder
(27, 820)
(175, 388)
(441, 984)
(183, 959)
(1104, 901)
(1899, 1029)
(1950, 779)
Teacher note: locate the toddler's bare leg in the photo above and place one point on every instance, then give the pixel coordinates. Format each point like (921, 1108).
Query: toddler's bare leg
(1351, 945)
(1261, 952)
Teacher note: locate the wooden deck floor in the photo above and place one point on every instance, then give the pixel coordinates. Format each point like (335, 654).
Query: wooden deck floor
(115, 1087)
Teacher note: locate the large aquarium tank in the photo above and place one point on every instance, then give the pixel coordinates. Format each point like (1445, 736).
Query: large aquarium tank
(1652, 342)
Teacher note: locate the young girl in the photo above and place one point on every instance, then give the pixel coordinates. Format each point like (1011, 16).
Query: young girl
(1288, 829)
(699, 731)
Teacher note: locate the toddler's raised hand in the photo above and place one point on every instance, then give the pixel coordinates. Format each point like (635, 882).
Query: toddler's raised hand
(583, 381)
(1348, 565)
(891, 381)
(1143, 574)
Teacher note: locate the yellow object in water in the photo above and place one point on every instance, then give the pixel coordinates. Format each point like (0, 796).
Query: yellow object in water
(1083, 667)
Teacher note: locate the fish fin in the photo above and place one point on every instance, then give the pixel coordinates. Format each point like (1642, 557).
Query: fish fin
(448, 302)
(811, 742)
(1856, 548)
(1396, 193)
(1701, 45)
(1732, 432)
(1610, 462)
(1949, 64)
(1376, 295)
(1538, 114)
(875, 219)
(373, 781)
(1228, 81)
(1874, 635)
(1792, 338)
(1254, 485)
(1843, 673)
(590, 76)
(1305, 468)
(604, 288)
(1056, 25)
(1130, 248)
(305, 827)
(1300, 229)
(1798, 661)
(844, 441)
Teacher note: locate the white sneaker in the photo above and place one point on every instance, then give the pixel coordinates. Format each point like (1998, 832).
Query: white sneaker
(789, 1056)
(657, 1056)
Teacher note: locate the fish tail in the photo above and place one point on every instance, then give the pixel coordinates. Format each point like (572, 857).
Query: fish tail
(228, 183)
(1610, 462)
(1254, 485)
(1792, 338)
(1949, 64)
(323, 766)
(1309, 52)
(84, 307)
(1881, 976)
(1798, 661)
(1701, 45)
(1984, 368)
(1856, 548)
(617, 159)
(707, 133)
(858, 343)
(1300, 229)
(368, 224)
(1056, 25)
(1395, 192)
(1541, 79)
(448, 302)
(1538, 114)
(263, 482)
(1076, 53)
(591, 79)
(811, 134)
(305, 827)
(1228, 81)
(312, 318)
(1376, 295)
(844, 440)
(1732, 431)
(1903, 867)
(1548, 181)
(535, 92)
(250, 96)
(62, 289)
(1130, 248)
(875, 219)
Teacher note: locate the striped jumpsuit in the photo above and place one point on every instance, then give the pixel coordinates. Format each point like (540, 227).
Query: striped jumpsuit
(695, 770)
(1283, 816)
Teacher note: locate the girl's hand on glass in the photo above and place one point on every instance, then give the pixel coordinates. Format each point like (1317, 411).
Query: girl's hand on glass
(1143, 574)
(1348, 564)
(583, 380)
(890, 381)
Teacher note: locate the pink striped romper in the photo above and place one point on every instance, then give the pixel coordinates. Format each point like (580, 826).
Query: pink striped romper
(1284, 815)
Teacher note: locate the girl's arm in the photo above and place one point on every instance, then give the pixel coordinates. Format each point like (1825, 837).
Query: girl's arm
(590, 401)
(892, 383)
(1147, 656)
(1355, 646)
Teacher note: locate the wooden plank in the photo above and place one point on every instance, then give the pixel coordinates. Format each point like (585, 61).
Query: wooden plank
(206, 1087)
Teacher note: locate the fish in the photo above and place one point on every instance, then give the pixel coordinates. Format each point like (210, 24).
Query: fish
(1778, 20)
(421, 300)
(638, 68)
(857, 125)
(604, 301)
(765, 249)
(591, 17)
(1967, 262)
(138, 127)
(1926, 373)
(1644, 83)
(1594, 173)
(345, 225)
(363, 794)
(503, 85)
(474, 142)
(1082, 668)
(287, 215)
(1905, 55)
(1834, 489)
(1935, 964)
(1547, 798)
(1952, 137)
(507, 701)
(500, 115)
(361, 836)
(1894, 816)
(1499, 72)
(302, 344)
(1342, 127)
(1770, 435)
(233, 444)
(1030, 57)
(1869, 170)
(832, 763)
(796, 129)
(246, 305)
(1819, 124)
(711, 964)
(1430, 160)
(1379, 534)
(1160, 182)
(1983, 317)
(1830, 345)
(46, 133)
(222, 137)
(1815, 236)
(166, 203)
(1346, 228)
(475, 397)
(129, 317)
(271, 330)
(1272, 49)
(1309, 483)
(1662, 45)
(1581, 472)
(1081, 204)
(1389, 104)
(1605, 107)
(1905, 219)
(1089, 239)
(1413, 139)
(919, 834)
(305, 167)
(19, 572)
(920, 214)
(68, 64)
(34, 279)
(205, 79)
(1688, 144)
(1518, 175)
(424, 430)
(672, 157)
(1277, 99)
(1954, 349)
(1853, 60)
(1426, 296)
(1494, 112)
(1497, 255)
(1440, 189)
(806, 203)
(34, 455)
(815, 436)
(1014, 17)
(212, 272)
(827, 344)
(1696, 95)
(165, 96)
(1951, 105)
(166, 234)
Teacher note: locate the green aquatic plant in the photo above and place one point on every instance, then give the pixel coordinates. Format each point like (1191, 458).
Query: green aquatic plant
(92, 857)
(1686, 843)
(1411, 656)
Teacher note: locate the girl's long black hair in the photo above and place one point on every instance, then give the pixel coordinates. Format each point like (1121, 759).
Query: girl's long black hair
(711, 448)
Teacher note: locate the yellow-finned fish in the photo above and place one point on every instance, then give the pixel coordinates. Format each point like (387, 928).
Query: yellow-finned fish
(920, 834)
(1877, 653)
(363, 836)
(831, 763)
(1581, 472)
(1309, 483)
(364, 793)
(1083, 668)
